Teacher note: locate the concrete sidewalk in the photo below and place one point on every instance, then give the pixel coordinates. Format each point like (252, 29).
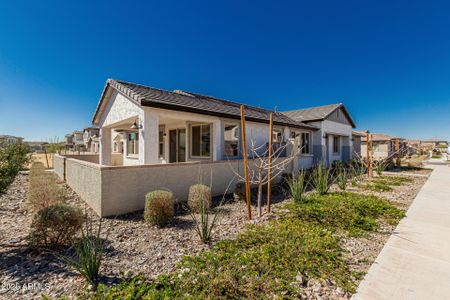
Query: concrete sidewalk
(415, 262)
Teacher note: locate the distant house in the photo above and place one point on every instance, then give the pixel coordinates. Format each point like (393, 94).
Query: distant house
(91, 139)
(10, 139)
(357, 141)
(436, 145)
(334, 138)
(36, 146)
(384, 146)
(68, 138)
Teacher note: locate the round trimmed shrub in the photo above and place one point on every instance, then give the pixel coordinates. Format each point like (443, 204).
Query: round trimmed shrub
(159, 207)
(197, 193)
(55, 225)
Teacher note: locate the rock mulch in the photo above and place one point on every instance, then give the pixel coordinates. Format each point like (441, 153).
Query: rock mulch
(136, 247)
(133, 246)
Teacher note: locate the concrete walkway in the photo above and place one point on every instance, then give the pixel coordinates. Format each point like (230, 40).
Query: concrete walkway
(415, 262)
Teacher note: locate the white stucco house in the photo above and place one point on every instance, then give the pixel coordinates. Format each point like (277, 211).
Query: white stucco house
(334, 138)
(151, 139)
(144, 125)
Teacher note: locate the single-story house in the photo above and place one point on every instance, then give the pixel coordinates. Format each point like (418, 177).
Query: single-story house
(334, 138)
(384, 146)
(146, 125)
(151, 138)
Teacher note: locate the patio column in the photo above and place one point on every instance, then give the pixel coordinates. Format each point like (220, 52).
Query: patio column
(148, 140)
(105, 146)
(218, 139)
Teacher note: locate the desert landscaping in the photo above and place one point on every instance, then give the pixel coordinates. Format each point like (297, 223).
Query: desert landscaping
(163, 259)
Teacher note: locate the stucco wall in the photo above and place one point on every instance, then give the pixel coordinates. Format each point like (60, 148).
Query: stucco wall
(59, 165)
(93, 158)
(85, 179)
(306, 162)
(124, 188)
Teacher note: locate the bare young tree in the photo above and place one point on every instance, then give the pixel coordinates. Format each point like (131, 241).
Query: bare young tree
(259, 167)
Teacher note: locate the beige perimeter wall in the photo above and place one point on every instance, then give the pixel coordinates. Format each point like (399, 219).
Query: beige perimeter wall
(116, 190)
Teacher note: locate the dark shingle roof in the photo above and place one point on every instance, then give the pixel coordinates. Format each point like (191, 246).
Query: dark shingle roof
(316, 113)
(196, 103)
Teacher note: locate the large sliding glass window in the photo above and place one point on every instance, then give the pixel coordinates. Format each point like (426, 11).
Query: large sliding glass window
(201, 140)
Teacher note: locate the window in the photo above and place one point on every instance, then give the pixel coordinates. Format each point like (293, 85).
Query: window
(376, 147)
(305, 142)
(133, 143)
(201, 140)
(231, 139)
(276, 136)
(116, 147)
(161, 143)
(336, 144)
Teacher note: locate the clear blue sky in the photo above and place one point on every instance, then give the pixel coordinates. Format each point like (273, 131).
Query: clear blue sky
(387, 61)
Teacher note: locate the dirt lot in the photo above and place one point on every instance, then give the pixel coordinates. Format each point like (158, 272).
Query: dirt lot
(40, 157)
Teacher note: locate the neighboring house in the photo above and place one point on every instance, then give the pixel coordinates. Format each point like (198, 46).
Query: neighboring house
(149, 126)
(91, 139)
(357, 142)
(414, 146)
(435, 145)
(10, 139)
(68, 138)
(334, 139)
(36, 146)
(78, 141)
(384, 146)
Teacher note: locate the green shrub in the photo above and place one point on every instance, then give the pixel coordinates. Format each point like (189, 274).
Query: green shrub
(88, 253)
(341, 178)
(159, 207)
(380, 166)
(13, 157)
(320, 179)
(197, 194)
(297, 186)
(55, 225)
(354, 213)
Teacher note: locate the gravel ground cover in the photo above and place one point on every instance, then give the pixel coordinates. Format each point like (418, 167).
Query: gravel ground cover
(136, 247)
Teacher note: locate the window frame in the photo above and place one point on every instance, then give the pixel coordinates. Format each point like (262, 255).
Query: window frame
(191, 144)
(338, 144)
(235, 135)
(135, 143)
(161, 143)
(303, 149)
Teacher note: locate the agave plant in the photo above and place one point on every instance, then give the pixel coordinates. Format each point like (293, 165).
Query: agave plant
(341, 178)
(297, 186)
(321, 179)
(88, 253)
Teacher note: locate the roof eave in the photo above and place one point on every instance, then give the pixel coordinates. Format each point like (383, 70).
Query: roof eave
(218, 114)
